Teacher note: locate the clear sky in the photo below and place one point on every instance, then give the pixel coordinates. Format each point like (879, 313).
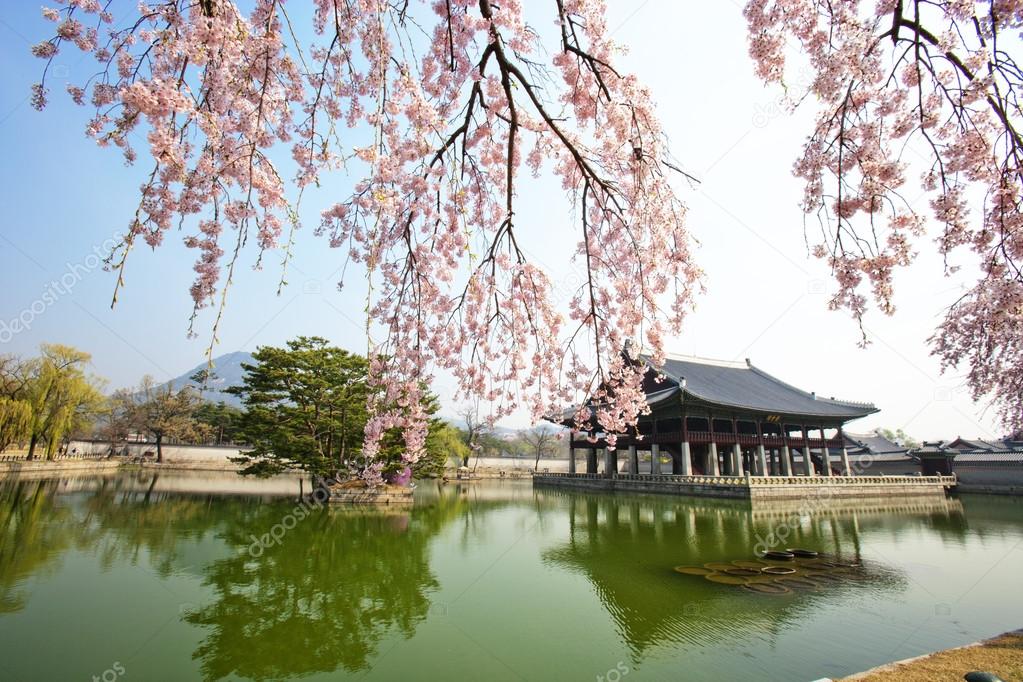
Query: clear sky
(766, 298)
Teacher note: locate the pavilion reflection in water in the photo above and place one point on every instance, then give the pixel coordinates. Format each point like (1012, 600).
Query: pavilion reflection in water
(627, 548)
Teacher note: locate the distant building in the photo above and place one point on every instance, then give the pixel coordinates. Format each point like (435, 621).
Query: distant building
(878, 456)
(977, 445)
(988, 466)
(935, 458)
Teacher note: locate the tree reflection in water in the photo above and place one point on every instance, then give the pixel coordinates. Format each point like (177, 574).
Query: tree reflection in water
(33, 535)
(324, 597)
(337, 584)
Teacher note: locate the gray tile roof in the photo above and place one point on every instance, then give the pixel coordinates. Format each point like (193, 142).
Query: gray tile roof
(967, 445)
(967, 458)
(980, 445)
(874, 443)
(746, 386)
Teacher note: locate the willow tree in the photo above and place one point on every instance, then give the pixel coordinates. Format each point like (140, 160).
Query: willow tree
(61, 395)
(438, 111)
(15, 422)
(15, 409)
(901, 80)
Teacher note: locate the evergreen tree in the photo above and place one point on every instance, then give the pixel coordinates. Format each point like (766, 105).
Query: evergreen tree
(305, 408)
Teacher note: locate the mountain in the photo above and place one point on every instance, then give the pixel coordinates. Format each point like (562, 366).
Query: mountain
(227, 371)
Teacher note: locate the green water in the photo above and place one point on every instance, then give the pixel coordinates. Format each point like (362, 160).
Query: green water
(127, 577)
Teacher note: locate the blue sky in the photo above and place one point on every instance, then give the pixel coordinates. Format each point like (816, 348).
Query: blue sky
(766, 298)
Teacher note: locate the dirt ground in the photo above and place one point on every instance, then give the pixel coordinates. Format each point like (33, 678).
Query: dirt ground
(1002, 656)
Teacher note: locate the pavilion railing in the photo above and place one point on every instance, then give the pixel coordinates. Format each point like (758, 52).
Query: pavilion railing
(761, 480)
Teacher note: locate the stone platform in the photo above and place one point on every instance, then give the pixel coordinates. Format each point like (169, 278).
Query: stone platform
(754, 488)
(355, 493)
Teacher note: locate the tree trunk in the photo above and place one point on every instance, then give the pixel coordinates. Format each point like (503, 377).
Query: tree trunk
(149, 492)
(159, 449)
(536, 464)
(32, 447)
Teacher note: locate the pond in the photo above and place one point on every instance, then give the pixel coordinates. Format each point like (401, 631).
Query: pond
(181, 576)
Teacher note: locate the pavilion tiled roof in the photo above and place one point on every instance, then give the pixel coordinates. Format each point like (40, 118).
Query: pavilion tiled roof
(748, 387)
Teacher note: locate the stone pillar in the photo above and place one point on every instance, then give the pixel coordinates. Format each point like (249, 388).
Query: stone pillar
(737, 468)
(714, 469)
(571, 460)
(807, 460)
(762, 469)
(786, 461)
(611, 462)
(591, 460)
(846, 469)
(825, 455)
(633, 460)
(687, 462)
(655, 459)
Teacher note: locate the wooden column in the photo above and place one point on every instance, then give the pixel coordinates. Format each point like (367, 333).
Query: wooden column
(571, 459)
(591, 460)
(633, 460)
(655, 459)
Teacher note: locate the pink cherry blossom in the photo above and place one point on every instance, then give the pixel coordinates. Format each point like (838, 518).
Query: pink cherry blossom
(435, 132)
(892, 76)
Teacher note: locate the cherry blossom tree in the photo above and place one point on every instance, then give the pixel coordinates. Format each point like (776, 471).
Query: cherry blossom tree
(438, 111)
(901, 80)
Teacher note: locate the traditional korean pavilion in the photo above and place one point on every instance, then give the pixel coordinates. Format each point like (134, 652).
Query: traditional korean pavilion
(728, 419)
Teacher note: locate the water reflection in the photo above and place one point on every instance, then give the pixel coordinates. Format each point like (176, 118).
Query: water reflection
(342, 592)
(320, 599)
(627, 548)
(33, 535)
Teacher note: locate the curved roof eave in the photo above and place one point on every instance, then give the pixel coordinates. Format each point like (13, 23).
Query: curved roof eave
(862, 411)
(855, 410)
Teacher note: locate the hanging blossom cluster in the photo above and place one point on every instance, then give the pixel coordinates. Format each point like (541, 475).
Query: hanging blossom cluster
(899, 81)
(446, 103)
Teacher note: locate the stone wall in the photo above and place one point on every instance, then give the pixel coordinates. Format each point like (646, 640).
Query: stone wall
(45, 468)
(197, 456)
(999, 478)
